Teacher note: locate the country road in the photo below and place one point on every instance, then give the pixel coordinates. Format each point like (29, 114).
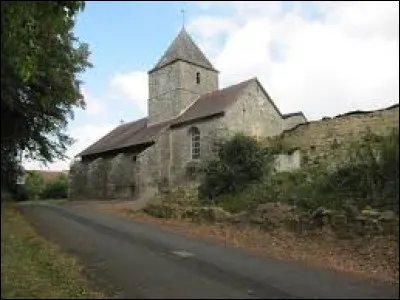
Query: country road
(143, 261)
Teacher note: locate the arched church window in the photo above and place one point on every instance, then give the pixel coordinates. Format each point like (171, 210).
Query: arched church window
(195, 142)
(198, 77)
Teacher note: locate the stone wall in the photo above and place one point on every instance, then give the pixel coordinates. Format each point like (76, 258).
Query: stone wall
(327, 140)
(287, 162)
(104, 178)
(253, 114)
(293, 121)
(173, 88)
(210, 132)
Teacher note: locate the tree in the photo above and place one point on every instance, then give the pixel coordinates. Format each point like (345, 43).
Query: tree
(56, 189)
(41, 59)
(34, 184)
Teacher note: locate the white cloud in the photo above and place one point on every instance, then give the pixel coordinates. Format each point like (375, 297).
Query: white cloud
(346, 59)
(132, 86)
(93, 105)
(324, 58)
(84, 135)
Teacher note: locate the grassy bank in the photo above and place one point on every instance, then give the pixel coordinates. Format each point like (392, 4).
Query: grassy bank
(31, 267)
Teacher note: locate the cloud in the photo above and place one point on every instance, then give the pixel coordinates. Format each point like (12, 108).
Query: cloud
(131, 86)
(84, 135)
(322, 58)
(93, 105)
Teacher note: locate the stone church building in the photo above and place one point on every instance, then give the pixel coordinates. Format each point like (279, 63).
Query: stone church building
(187, 114)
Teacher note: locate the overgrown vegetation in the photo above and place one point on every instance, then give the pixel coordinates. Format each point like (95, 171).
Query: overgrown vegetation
(369, 177)
(240, 161)
(32, 268)
(37, 188)
(34, 185)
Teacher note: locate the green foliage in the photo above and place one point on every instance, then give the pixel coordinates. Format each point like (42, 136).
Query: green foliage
(368, 177)
(56, 189)
(40, 61)
(240, 161)
(247, 199)
(34, 184)
(371, 174)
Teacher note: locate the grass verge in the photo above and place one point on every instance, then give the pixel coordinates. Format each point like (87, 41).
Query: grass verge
(32, 267)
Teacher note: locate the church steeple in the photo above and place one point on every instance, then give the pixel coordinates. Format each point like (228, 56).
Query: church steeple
(179, 78)
(184, 48)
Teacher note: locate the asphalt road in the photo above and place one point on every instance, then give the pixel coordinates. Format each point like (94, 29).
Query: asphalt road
(143, 261)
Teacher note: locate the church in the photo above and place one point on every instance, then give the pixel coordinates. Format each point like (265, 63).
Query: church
(187, 115)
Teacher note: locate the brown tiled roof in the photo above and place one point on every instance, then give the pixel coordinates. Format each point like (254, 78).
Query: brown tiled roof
(115, 137)
(140, 132)
(212, 103)
(183, 48)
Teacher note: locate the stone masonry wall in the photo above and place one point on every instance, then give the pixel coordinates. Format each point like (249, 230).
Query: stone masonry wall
(253, 114)
(326, 140)
(104, 178)
(293, 121)
(173, 88)
(210, 132)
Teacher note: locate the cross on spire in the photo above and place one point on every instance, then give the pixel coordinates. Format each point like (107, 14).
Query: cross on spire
(183, 17)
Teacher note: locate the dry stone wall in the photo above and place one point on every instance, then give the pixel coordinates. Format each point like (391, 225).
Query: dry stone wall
(326, 140)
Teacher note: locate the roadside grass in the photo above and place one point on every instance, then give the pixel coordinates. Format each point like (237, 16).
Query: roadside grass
(32, 267)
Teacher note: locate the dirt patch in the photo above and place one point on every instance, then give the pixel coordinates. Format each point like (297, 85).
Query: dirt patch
(376, 259)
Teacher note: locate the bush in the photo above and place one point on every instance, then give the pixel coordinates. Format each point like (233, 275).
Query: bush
(56, 189)
(240, 161)
(369, 177)
(371, 174)
(34, 184)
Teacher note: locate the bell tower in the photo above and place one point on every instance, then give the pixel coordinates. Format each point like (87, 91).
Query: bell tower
(177, 80)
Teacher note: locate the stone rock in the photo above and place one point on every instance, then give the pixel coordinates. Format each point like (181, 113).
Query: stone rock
(361, 219)
(220, 215)
(370, 213)
(387, 215)
(273, 214)
(351, 211)
(265, 207)
(212, 214)
(325, 220)
(321, 212)
(338, 220)
(239, 217)
(256, 220)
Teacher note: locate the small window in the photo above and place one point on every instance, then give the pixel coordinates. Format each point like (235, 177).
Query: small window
(198, 77)
(195, 142)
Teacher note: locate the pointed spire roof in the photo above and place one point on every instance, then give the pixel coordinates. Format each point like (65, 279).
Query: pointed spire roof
(183, 48)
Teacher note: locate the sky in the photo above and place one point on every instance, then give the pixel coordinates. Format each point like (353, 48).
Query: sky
(323, 58)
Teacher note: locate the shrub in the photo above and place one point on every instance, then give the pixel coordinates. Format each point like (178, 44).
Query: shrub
(34, 184)
(240, 161)
(57, 188)
(368, 177)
